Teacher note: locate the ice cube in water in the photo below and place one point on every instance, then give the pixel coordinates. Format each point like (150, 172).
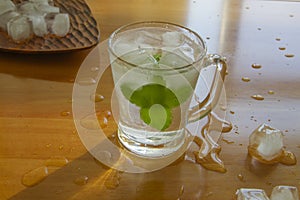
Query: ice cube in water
(146, 39)
(285, 193)
(172, 39)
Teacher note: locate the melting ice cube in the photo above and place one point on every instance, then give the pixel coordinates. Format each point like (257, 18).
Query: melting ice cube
(19, 28)
(172, 39)
(39, 26)
(6, 6)
(251, 194)
(6, 17)
(146, 39)
(285, 193)
(61, 24)
(266, 143)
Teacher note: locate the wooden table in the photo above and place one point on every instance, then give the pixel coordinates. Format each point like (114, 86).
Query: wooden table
(36, 122)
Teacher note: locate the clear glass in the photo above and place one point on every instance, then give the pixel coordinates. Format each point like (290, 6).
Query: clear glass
(155, 67)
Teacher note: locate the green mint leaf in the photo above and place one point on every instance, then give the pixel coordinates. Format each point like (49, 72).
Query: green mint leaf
(155, 101)
(157, 57)
(151, 94)
(157, 117)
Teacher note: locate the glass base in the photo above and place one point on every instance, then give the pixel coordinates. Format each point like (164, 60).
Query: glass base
(151, 144)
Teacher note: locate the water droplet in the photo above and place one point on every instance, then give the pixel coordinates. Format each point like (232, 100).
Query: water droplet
(90, 122)
(241, 177)
(208, 154)
(57, 161)
(288, 158)
(35, 176)
(282, 48)
(256, 66)
(105, 157)
(86, 81)
(246, 79)
(271, 92)
(257, 97)
(97, 97)
(216, 122)
(81, 180)
(112, 179)
(107, 113)
(209, 194)
(224, 108)
(181, 191)
(48, 145)
(289, 55)
(94, 69)
(65, 113)
(228, 141)
(103, 122)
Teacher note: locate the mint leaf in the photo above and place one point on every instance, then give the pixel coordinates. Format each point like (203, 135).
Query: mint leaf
(157, 57)
(157, 117)
(151, 94)
(155, 101)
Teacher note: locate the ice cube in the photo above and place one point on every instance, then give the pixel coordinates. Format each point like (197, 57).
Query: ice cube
(266, 143)
(172, 39)
(39, 25)
(6, 6)
(28, 8)
(6, 17)
(61, 25)
(43, 8)
(19, 28)
(283, 192)
(144, 39)
(251, 194)
(44, 2)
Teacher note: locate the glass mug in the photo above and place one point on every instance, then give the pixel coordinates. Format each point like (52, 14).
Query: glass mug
(155, 68)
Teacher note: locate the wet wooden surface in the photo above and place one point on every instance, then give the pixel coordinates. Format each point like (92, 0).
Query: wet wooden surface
(36, 122)
(83, 34)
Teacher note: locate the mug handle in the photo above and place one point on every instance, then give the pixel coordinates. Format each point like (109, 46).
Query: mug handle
(203, 108)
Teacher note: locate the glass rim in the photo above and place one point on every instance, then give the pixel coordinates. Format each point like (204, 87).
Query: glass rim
(201, 56)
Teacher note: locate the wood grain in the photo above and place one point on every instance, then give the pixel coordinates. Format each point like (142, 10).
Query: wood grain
(35, 89)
